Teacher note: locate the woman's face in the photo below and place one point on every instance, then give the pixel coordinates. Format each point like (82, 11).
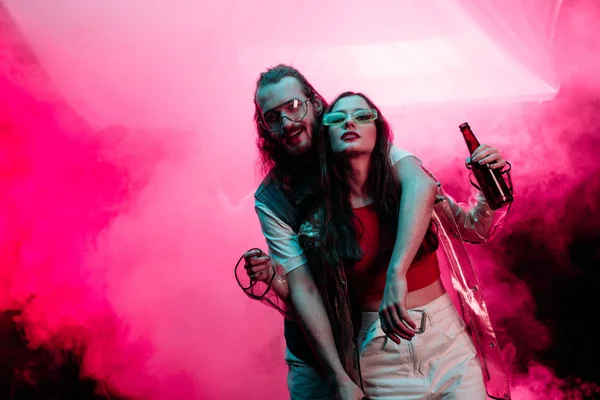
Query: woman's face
(357, 134)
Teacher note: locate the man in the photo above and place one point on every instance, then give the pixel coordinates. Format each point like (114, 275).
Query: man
(288, 112)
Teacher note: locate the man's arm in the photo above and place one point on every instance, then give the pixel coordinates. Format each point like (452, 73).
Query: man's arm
(415, 210)
(416, 207)
(285, 249)
(308, 303)
(260, 268)
(303, 293)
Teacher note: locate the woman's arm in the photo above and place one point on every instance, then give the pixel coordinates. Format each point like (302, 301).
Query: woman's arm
(476, 221)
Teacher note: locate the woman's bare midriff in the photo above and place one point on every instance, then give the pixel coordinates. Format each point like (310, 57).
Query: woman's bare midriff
(414, 299)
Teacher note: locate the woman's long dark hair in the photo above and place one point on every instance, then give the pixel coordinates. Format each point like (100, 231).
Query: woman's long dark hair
(341, 241)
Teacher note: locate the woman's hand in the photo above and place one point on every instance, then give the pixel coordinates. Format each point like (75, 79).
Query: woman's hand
(485, 154)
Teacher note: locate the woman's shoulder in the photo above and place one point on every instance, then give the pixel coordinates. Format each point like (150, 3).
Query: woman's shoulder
(396, 154)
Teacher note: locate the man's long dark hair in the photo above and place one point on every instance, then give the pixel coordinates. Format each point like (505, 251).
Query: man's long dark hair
(342, 242)
(272, 155)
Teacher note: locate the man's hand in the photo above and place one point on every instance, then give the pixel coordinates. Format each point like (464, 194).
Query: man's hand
(348, 390)
(394, 317)
(258, 265)
(485, 154)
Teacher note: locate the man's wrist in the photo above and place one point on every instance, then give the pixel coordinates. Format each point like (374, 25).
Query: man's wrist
(397, 271)
(340, 377)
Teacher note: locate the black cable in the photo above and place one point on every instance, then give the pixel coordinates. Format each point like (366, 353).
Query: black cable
(253, 282)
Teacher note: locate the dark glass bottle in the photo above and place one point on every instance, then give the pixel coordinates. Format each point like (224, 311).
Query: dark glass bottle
(491, 181)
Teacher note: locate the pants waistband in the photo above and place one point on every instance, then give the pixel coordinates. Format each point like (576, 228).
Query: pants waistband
(436, 310)
(424, 316)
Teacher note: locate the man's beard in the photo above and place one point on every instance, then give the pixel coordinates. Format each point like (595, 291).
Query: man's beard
(309, 158)
(306, 163)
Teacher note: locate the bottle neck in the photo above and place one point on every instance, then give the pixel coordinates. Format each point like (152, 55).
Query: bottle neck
(470, 140)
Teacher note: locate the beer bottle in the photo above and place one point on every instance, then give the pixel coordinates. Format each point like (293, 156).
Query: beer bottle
(491, 181)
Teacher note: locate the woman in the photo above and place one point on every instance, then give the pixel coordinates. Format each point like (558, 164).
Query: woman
(378, 274)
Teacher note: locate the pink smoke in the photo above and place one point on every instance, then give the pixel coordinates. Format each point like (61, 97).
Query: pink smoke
(119, 243)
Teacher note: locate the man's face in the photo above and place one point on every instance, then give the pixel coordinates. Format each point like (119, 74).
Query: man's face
(282, 105)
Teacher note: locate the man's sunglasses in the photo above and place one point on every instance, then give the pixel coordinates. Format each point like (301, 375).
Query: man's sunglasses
(294, 110)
